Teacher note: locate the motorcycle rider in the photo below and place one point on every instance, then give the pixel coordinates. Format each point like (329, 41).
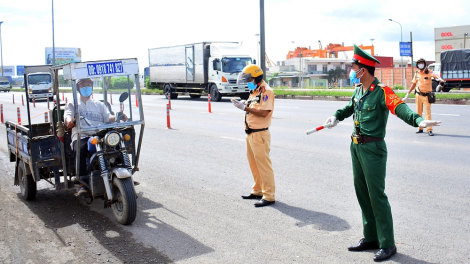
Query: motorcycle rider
(96, 112)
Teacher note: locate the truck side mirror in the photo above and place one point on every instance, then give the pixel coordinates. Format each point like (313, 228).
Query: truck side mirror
(254, 62)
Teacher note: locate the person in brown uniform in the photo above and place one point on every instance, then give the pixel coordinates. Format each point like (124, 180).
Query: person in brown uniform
(423, 79)
(258, 113)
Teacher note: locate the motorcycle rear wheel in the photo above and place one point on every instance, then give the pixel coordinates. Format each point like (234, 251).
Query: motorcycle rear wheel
(125, 207)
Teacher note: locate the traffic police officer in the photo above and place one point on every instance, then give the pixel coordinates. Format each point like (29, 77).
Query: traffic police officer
(370, 106)
(258, 113)
(423, 79)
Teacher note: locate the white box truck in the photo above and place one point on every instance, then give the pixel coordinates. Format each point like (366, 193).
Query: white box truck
(4, 84)
(200, 68)
(39, 81)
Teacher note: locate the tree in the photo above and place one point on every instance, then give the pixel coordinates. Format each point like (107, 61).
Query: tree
(335, 74)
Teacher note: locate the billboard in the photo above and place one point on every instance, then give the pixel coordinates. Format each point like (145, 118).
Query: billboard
(19, 70)
(63, 55)
(8, 71)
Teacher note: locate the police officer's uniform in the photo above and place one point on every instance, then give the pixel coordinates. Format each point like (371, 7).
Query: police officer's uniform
(258, 141)
(424, 87)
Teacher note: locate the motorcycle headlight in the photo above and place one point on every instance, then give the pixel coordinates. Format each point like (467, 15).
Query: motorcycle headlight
(112, 139)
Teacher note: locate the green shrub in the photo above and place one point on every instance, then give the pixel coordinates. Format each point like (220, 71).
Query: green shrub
(121, 83)
(151, 86)
(399, 87)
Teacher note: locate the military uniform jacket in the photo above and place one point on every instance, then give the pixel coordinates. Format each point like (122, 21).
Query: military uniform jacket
(371, 110)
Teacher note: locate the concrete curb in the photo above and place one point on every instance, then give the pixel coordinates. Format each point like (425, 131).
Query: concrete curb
(345, 98)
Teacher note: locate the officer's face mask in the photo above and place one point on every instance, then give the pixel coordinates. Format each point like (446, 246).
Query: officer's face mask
(359, 74)
(86, 91)
(252, 85)
(421, 66)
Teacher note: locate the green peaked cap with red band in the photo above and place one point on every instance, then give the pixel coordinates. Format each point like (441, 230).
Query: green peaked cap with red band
(362, 57)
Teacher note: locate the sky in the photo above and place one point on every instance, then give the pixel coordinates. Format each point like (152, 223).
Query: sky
(116, 29)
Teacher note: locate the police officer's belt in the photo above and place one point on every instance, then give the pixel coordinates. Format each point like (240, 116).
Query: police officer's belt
(364, 139)
(249, 130)
(422, 94)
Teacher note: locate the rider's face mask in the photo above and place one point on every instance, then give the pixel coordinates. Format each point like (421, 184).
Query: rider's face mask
(421, 66)
(86, 91)
(252, 85)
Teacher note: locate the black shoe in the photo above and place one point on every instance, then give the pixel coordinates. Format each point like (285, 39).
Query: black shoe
(136, 183)
(385, 253)
(419, 131)
(430, 133)
(364, 245)
(263, 202)
(252, 197)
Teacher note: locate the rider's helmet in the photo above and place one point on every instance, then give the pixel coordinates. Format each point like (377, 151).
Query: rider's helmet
(250, 71)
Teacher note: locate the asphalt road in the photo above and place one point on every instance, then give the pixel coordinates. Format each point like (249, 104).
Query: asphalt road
(192, 176)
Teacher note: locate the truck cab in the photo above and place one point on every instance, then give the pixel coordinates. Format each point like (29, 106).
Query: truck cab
(40, 86)
(224, 73)
(435, 68)
(5, 84)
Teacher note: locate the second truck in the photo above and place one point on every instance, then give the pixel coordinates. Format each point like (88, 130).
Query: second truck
(200, 68)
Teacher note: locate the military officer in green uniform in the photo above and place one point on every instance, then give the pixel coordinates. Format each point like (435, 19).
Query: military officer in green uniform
(370, 106)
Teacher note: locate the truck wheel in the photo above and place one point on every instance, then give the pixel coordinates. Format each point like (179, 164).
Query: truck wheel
(125, 206)
(194, 96)
(244, 96)
(27, 184)
(167, 89)
(215, 95)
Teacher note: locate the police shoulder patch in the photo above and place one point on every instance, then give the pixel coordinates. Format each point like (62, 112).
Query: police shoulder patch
(265, 98)
(391, 99)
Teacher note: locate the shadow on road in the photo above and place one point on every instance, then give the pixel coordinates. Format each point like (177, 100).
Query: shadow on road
(404, 259)
(306, 217)
(60, 209)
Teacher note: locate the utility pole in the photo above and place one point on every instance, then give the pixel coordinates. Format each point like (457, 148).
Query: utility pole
(262, 43)
(1, 48)
(411, 43)
(464, 38)
(53, 42)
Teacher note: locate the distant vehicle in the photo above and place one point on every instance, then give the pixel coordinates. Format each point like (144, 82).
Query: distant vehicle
(194, 69)
(435, 68)
(455, 69)
(4, 84)
(40, 83)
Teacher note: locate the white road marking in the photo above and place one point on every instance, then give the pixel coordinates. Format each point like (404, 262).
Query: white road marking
(418, 142)
(445, 114)
(233, 138)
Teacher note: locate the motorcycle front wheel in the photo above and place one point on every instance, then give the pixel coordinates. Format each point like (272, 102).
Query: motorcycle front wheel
(125, 207)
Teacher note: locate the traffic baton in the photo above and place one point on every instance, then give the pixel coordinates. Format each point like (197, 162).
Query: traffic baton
(34, 102)
(1, 107)
(46, 117)
(168, 116)
(209, 100)
(169, 99)
(22, 101)
(136, 101)
(321, 127)
(19, 115)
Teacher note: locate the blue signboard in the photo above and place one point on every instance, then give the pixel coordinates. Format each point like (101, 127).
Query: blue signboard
(405, 49)
(19, 70)
(105, 68)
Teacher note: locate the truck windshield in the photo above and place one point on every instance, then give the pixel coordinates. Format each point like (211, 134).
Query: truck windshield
(234, 65)
(39, 79)
(4, 83)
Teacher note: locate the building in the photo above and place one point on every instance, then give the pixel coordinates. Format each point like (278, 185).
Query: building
(448, 38)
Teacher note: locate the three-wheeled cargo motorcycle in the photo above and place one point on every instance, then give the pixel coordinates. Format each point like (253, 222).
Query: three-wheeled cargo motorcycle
(44, 151)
